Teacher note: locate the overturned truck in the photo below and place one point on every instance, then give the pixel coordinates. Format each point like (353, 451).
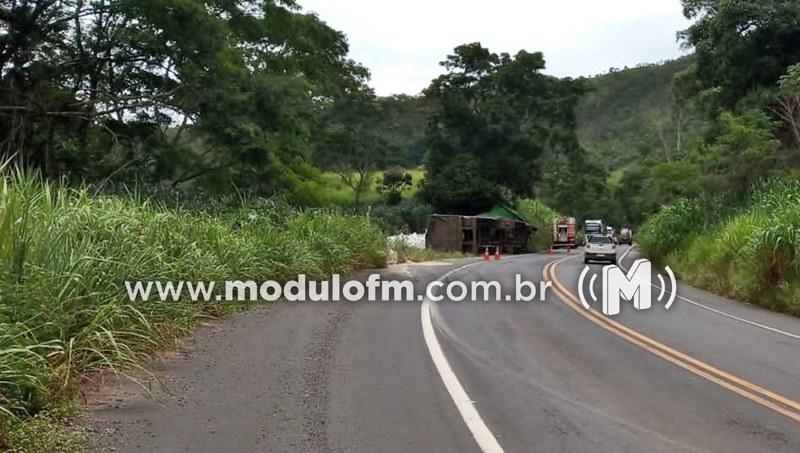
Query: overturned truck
(500, 227)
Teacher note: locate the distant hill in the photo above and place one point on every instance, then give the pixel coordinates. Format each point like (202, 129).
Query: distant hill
(631, 114)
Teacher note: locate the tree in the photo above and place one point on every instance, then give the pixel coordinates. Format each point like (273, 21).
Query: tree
(402, 125)
(168, 90)
(349, 146)
(574, 186)
(672, 129)
(787, 103)
(393, 183)
(741, 45)
(744, 150)
(494, 116)
(460, 187)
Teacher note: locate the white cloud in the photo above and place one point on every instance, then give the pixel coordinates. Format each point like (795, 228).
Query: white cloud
(402, 42)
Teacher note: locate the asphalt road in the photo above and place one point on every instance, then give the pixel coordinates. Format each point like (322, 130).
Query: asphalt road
(707, 375)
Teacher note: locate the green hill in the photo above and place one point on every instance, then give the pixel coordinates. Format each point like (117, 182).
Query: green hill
(631, 114)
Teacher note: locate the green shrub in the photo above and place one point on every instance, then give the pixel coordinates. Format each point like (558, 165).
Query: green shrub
(408, 216)
(672, 227)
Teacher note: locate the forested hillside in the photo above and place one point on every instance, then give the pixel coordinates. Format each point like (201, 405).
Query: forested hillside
(730, 219)
(634, 113)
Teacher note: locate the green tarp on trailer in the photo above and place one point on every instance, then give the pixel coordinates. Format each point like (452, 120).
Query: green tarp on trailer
(503, 211)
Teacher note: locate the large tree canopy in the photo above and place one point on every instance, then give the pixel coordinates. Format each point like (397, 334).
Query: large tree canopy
(173, 89)
(741, 45)
(495, 115)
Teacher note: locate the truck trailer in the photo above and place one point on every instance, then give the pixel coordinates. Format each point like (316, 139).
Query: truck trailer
(474, 234)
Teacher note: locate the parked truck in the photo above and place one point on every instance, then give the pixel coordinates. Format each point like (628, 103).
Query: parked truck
(564, 233)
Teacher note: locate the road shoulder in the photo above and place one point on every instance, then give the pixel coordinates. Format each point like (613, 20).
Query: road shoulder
(262, 379)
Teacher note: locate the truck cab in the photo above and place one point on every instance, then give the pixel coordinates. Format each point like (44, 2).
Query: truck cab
(564, 233)
(626, 236)
(593, 227)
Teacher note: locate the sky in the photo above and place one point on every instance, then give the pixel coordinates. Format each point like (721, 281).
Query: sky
(402, 42)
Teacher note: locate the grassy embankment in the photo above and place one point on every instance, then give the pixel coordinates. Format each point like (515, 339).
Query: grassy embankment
(333, 191)
(64, 257)
(748, 250)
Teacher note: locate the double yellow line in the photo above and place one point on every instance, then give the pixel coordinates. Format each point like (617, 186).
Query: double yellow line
(746, 389)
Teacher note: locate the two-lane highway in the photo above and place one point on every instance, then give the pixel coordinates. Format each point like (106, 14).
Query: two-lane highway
(711, 375)
(549, 377)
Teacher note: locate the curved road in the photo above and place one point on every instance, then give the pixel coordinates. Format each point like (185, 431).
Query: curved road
(707, 375)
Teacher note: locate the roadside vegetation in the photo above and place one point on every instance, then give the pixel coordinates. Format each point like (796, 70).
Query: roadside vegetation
(701, 155)
(541, 216)
(65, 255)
(726, 210)
(748, 251)
(408, 216)
(409, 254)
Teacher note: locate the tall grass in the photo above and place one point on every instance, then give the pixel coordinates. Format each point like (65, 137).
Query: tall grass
(673, 227)
(751, 253)
(65, 255)
(541, 216)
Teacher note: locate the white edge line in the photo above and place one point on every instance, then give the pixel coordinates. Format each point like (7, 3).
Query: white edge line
(720, 312)
(622, 258)
(482, 434)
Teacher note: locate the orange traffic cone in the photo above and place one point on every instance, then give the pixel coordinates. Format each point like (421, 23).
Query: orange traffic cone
(497, 253)
(550, 252)
(486, 254)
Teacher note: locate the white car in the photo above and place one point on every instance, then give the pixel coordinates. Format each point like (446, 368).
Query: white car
(600, 248)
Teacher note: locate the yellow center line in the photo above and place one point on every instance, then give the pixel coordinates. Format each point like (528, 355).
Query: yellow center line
(746, 389)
